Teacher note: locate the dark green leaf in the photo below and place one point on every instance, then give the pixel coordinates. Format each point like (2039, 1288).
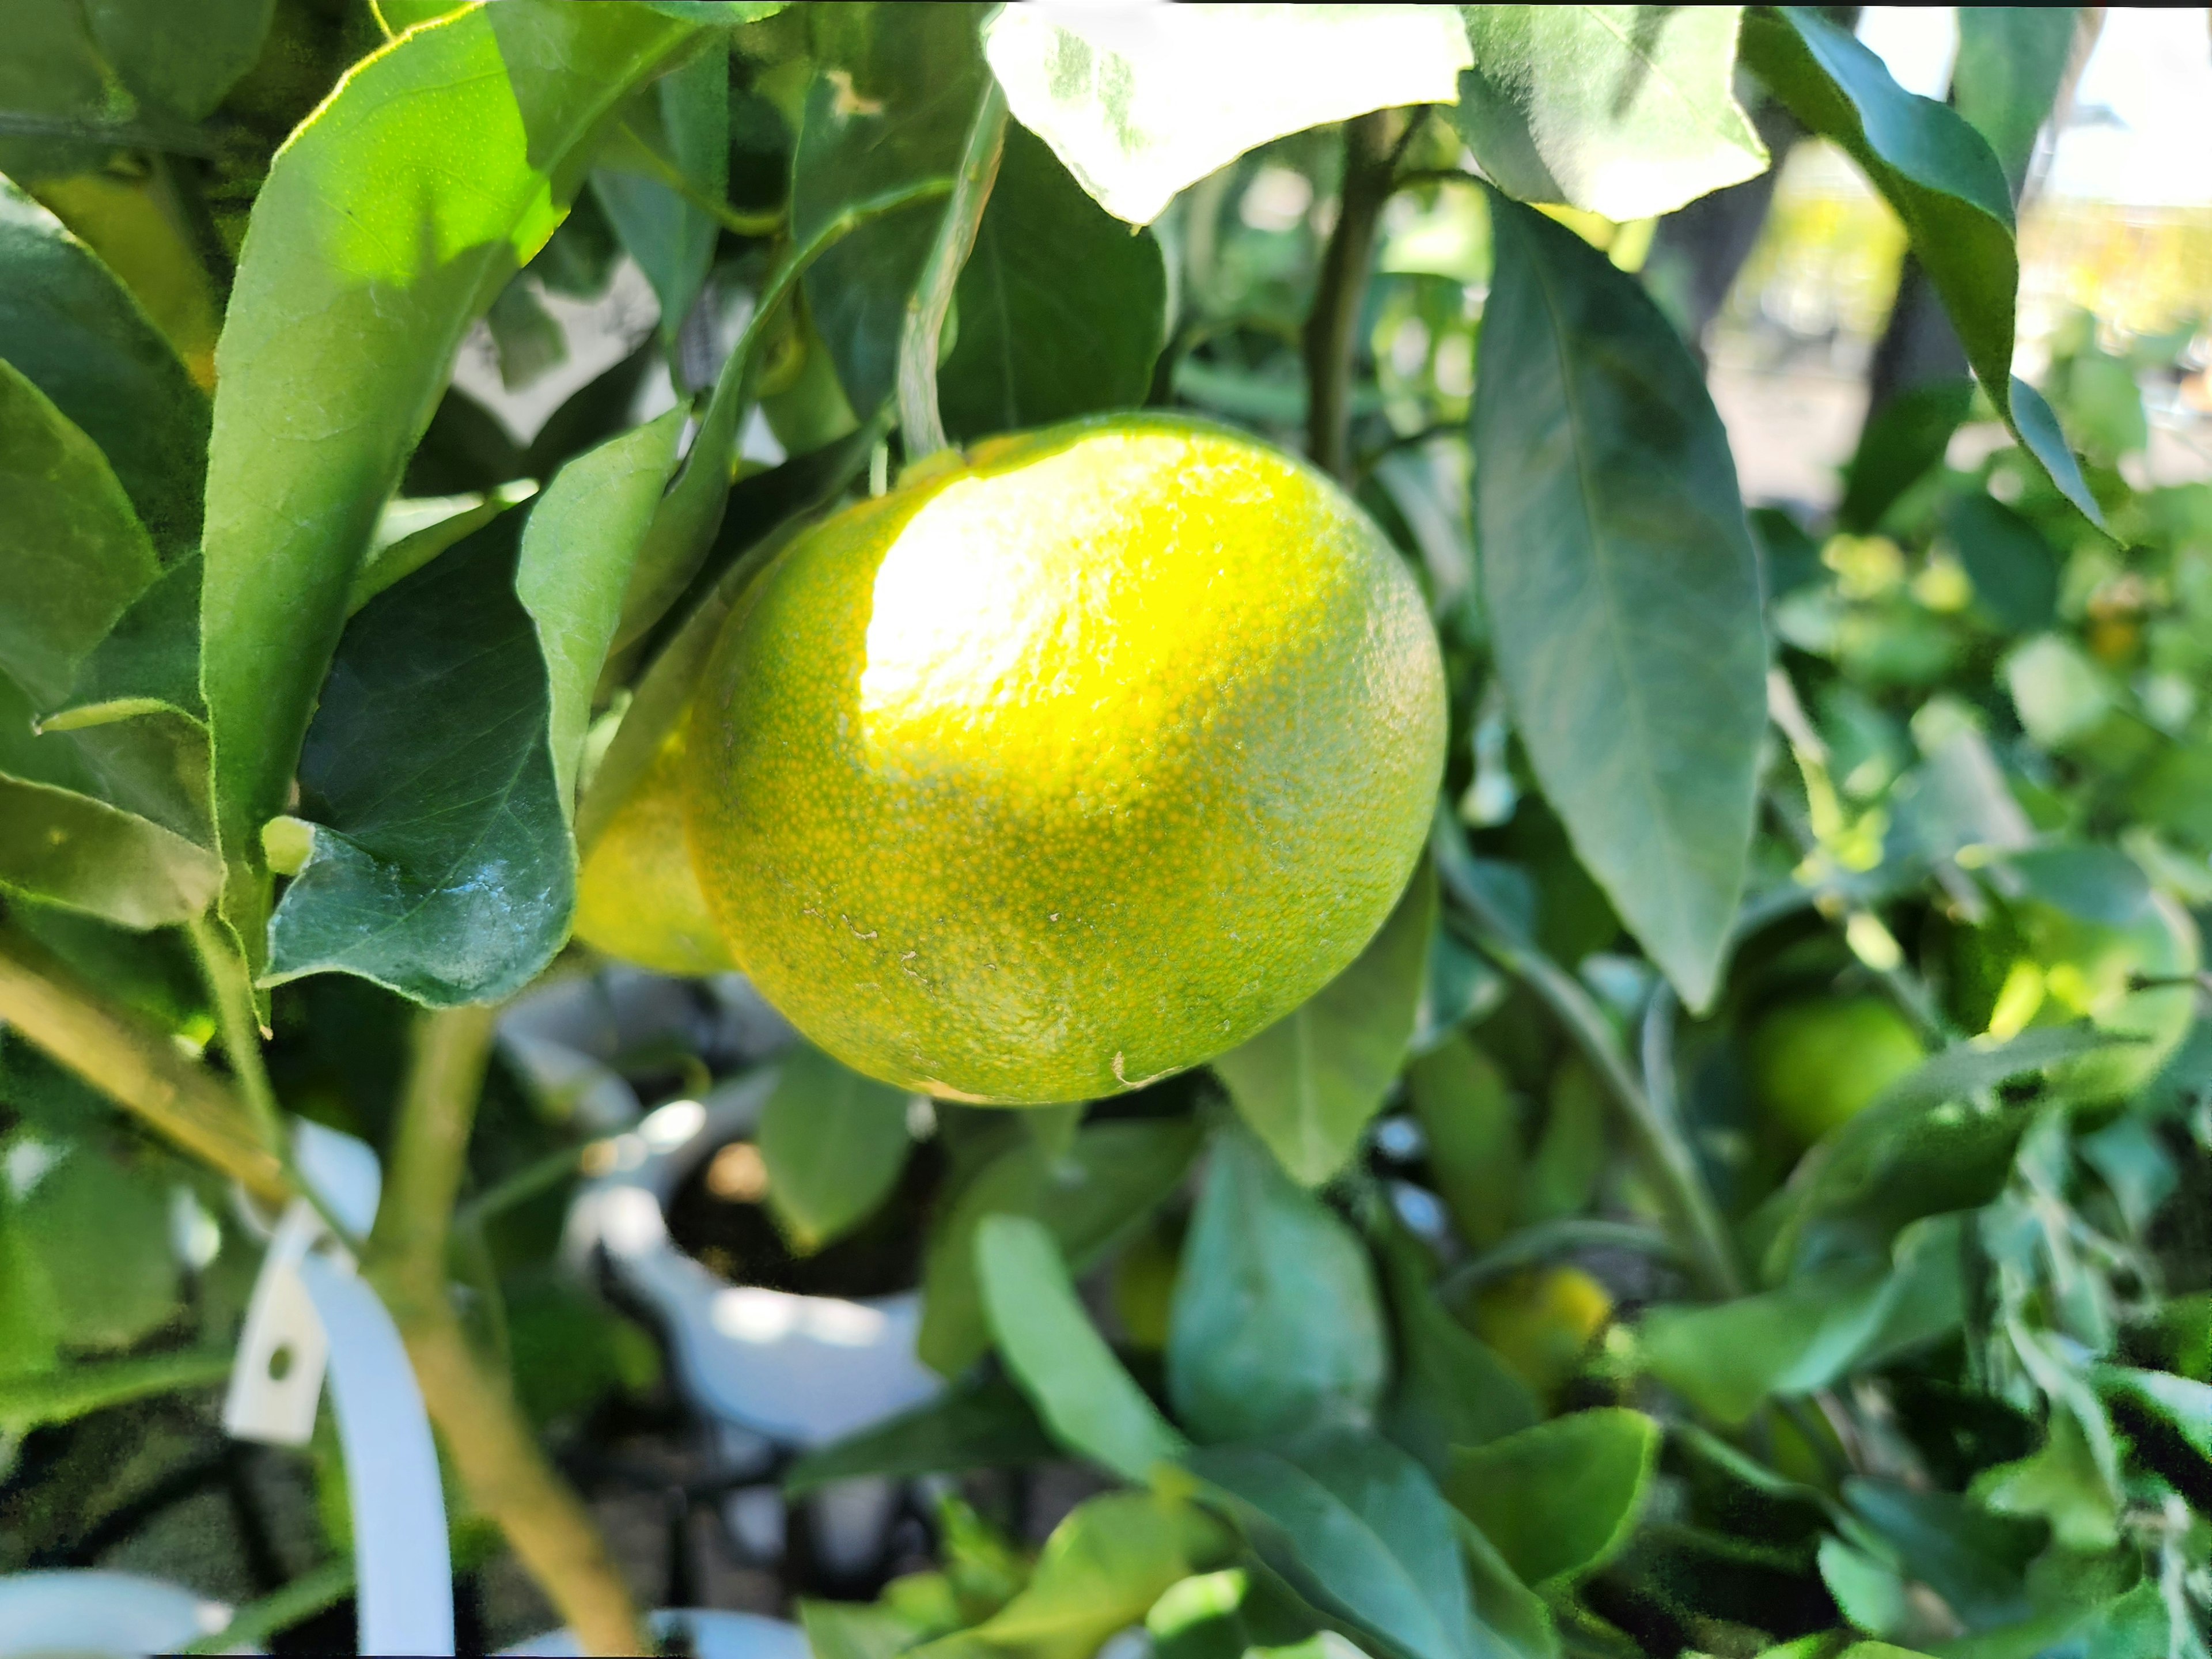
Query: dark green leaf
(1276, 1322)
(413, 531)
(442, 866)
(891, 105)
(835, 1142)
(1559, 1499)
(1138, 113)
(52, 73)
(387, 222)
(1622, 588)
(1974, 1560)
(1727, 1358)
(1359, 1529)
(74, 554)
(63, 1396)
(179, 59)
(72, 850)
(76, 334)
(2011, 59)
(579, 547)
(1474, 1142)
(1092, 1406)
(1109, 1178)
(989, 1426)
(1061, 309)
(1627, 111)
(1897, 447)
(683, 124)
(1309, 1083)
(1512, 1616)
(2014, 572)
(99, 1229)
(1950, 191)
(1460, 988)
(150, 660)
(1453, 1389)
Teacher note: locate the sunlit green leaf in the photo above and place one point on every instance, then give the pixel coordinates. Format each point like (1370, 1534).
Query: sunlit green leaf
(1137, 105)
(835, 1142)
(1622, 588)
(1309, 1083)
(1092, 1406)
(1627, 111)
(388, 220)
(1560, 1498)
(1276, 1320)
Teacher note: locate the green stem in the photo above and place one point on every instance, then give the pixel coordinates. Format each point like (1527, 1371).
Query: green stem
(1335, 315)
(666, 173)
(252, 1624)
(1705, 1243)
(519, 1187)
(1546, 1239)
(437, 1110)
(923, 427)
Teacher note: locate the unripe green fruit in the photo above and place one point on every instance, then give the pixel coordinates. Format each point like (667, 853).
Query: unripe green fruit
(1817, 1065)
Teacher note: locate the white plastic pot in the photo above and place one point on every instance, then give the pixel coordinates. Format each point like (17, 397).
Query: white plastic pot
(91, 1615)
(712, 1635)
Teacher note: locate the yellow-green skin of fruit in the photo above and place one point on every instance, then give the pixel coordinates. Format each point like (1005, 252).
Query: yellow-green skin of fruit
(2088, 968)
(637, 897)
(1068, 765)
(1815, 1065)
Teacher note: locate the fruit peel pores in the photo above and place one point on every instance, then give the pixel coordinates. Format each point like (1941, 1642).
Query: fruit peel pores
(637, 897)
(1058, 770)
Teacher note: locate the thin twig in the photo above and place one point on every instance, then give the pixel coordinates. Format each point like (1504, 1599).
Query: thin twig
(519, 1187)
(1330, 325)
(665, 171)
(920, 421)
(1707, 1243)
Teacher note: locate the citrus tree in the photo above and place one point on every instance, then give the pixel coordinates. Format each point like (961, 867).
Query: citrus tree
(1515, 1059)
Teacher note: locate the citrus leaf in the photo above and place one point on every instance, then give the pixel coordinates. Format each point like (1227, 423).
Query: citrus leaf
(1309, 1083)
(99, 1229)
(989, 1425)
(1092, 1406)
(1100, 1571)
(1137, 105)
(1453, 1389)
(75, 1391)
(388, 220)
(73, 850)
(1622, 587)
(684, 121)
(441, 867)
(2011, 59)
(75, 553)
(1061, 310)
(579, 547)
(1627, 110)
(1108, 1179)
(179, 59)
(1462, 1100)
(1276, 1321)
(74, 332)
(1900, 444)
(1359, 1531)
(1559, 1499)
(835, 1142)
(150, 660)
(890, 106)
(1940, 175)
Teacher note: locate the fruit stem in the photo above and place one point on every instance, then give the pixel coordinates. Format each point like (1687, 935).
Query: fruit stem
(922, 425)
(1707, 1243)
(1335, 314)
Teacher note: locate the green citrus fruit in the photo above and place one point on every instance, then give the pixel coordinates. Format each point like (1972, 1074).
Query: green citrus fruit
(1069, 764)
(1817, 1065)
(636, 896)
(1539, 1322)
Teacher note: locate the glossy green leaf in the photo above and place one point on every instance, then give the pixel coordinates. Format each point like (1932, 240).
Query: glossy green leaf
(988, 1425)
(75, 553)
(72, 850)
(1940, 175)
(2011, 59)
(1727, 1358)
(1137, 105)
(579, 548)
(1460, 1097)
(835, 1142)
(1276, 1321)
(681, 126)
(179, 59)
(1622, 588)
(148, 661)
(1358, 1529)
(1560, 1498)
(1627, 110)
(1061, 310)
(1092, 1406)
(891, 104)
(1309, 1084)
(1453, 1389)
(1109, 1178)
(369, 254)
(442, 866)
(1100, 1572)
(74, 331)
